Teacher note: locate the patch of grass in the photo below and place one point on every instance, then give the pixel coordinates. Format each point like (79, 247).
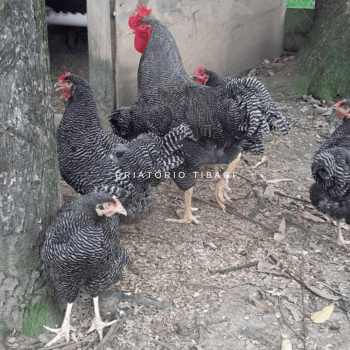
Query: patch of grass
(5, 11)
(34, 316)
(300, 4)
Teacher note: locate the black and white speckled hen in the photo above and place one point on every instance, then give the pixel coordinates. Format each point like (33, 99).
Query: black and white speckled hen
(331, 171)
(222, 122)
(82, 244)
(93, 160)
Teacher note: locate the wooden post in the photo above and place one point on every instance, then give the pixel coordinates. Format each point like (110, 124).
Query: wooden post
(101, 32)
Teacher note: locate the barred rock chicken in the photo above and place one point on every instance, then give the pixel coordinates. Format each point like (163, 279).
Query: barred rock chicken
(331, 171)
(251, 95)
(92, 160)
(82, 243)
(222, 122)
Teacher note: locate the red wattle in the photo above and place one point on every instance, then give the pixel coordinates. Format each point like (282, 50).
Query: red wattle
(141, 39)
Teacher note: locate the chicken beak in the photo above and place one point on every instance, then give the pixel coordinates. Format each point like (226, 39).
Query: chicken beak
(119, 207)
(130, 32)
(121, 210)
(58, 86)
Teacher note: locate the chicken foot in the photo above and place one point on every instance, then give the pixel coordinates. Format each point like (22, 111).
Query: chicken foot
(64, 330)
(97, 323)
(222, 186)
(188, 217)
(227, 177)
(340, 239)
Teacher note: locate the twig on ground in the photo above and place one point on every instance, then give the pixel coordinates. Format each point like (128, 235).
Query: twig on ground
(285, 321)
(297, 279)
(292, 197)
(230, 210)
(245, 178)
(280, 193)
(235, 268)
(114, 327)
(334, 290)
(200, 331)
(71, 346)
(91, 343)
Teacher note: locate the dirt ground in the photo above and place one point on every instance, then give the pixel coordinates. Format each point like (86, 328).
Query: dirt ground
(181, 291)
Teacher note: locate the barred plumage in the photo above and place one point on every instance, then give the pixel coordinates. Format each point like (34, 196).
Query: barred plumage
(89, 158)
(331, 172)
(224, 116)
(80, 245)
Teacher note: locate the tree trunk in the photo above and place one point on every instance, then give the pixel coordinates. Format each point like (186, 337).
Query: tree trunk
(29, 176)
(325, 54)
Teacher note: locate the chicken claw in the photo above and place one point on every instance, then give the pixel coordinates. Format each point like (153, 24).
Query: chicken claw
(221, 193)
(64, 330)
(340, 239)
(97, 323)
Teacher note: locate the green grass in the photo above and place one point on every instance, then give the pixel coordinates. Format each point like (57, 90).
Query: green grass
(300, 4)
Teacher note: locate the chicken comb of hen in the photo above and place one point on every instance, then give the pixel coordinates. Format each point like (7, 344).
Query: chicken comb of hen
(201, 76)
(342, 111)
(63, 76)
(140, 12)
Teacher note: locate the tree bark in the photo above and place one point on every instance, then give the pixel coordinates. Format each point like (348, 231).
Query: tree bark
(325, 52)
(29, 175)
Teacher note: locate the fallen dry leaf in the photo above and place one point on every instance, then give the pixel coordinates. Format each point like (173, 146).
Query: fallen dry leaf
(278, 237)
(323, 315)
(269, 191)
(329, 112)
(282, 226)
(286, 344)
(323, 294)
(307, 215)
(275, 181)
(294, 310)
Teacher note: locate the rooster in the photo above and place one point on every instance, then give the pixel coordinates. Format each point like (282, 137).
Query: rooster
(82, 243)
(331, 172)
(223, 123)
(92, 160)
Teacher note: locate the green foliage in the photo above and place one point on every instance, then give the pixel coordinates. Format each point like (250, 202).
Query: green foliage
(325, 57)
(34, 316)
(300, 4)
(4, 13)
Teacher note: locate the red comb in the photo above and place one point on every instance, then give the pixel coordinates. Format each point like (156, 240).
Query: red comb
(64, 76)
(341, 111)
(199, 70)
(201, 76)
(140, 12)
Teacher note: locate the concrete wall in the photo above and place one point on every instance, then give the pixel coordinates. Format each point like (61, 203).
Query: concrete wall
(227, 36)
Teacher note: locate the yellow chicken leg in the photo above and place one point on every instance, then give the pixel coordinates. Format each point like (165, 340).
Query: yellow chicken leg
(340, 239)
(188, 217)
(221, 186)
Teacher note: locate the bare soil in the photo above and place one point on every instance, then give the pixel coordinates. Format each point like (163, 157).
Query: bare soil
(174, 297)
